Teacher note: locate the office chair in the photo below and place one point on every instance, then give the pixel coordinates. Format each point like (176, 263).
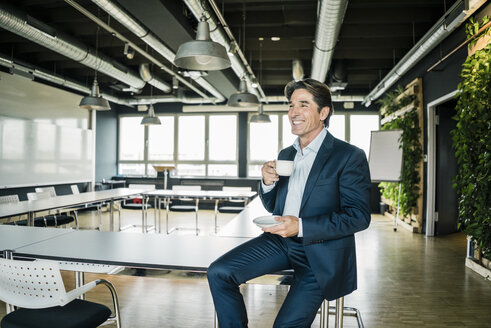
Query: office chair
(51, 220)
(42, 301)
(231, 205)
(182, 204)
(10, 199)
(138, 203)
(89, 207)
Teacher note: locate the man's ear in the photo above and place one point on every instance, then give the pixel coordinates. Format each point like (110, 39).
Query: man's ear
(324, 113)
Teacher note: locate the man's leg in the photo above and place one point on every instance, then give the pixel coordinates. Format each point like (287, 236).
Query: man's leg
(305, 297)
(259, 256)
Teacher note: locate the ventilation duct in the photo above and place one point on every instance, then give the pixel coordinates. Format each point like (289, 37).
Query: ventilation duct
(329, 19)
(149, 38)
(443, 28)
(55, 79)
(217, 35)
(65, 46)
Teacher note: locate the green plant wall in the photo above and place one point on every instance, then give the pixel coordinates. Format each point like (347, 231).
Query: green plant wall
(411, 149)
(472, 143)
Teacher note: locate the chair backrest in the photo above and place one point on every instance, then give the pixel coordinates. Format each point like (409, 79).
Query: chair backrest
(185, 188)
(41, 285)
(9, 199)
(51, 190)
(75, 190)
(39, 195)
(146, 187)
(244, 189)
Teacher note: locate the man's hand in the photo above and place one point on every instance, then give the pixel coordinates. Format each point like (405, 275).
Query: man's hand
(288, 227)
(269, 174)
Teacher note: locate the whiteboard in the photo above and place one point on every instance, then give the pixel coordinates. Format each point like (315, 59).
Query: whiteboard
(34, 153)
(385, 156)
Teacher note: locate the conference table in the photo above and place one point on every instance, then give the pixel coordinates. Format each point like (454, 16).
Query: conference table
(31, 207)
(216, 195)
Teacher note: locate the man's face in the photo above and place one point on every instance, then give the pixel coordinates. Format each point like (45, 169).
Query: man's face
(305, 119)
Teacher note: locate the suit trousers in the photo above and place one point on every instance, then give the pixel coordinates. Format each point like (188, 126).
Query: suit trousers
(265, 254)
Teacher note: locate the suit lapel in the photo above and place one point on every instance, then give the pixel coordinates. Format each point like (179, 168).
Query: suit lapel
(319, 163)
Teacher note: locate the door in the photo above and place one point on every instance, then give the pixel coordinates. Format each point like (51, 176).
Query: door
(446, 169)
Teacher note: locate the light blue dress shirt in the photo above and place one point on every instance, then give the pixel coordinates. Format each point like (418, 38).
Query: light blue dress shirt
(302, 164)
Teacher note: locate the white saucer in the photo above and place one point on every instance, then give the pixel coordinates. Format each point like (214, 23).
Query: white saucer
(266, 221)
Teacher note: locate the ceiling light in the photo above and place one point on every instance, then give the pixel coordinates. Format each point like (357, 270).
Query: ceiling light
(202, 53)
(243, 98)
(260, 117)
(150, 119)
(275, 38)
(128, 51)
(297, 70)
(95, 100)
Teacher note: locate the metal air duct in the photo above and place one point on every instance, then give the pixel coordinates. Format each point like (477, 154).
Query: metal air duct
(149, 38)
(64, 45)
(329, 19)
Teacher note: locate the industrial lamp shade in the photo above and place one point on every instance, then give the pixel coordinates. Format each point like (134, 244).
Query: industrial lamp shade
(95, 100)
(151, 119)
(260, 117)
(243, 98)
(202, 54)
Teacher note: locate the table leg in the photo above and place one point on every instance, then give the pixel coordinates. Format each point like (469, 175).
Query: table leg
(144, 210)
(111, 216)
(216, 216)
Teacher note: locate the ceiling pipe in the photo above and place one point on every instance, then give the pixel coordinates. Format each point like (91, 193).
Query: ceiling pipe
(438, 32)
(239, 66)
(61, 81)
(64, 45)
(149, 38)
(329, 20)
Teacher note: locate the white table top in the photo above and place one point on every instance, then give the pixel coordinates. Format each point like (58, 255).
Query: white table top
(209, 194)
(12, 237)
(151, 251)
(31, 206)
(242, 225)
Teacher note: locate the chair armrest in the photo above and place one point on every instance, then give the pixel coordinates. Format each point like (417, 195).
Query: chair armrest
(74, 293)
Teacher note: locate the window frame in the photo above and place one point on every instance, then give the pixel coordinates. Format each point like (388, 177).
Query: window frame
(174, 162)
(347, 130)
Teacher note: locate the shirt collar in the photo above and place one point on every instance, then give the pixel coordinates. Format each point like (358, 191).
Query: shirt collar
(314, 145)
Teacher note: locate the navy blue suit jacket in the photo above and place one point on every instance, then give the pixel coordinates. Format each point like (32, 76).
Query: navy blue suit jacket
(334, 206)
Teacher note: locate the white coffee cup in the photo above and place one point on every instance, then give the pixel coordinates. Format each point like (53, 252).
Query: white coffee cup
(284, 167)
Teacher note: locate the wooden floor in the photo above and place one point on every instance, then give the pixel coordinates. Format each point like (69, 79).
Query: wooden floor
(405, 280)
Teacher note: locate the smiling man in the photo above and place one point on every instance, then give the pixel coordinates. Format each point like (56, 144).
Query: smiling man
(320, 206)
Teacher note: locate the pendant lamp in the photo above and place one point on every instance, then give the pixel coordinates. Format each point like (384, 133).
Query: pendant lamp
(243, 98)
(260, 117)
(202, 54)
(150, 119)
(95, 100)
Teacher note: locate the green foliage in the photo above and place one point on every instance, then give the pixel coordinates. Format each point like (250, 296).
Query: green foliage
(473, 27)
(411, 149)
(471, 140)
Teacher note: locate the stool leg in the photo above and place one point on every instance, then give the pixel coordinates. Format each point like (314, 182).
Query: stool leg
(324, 315)
(339, 312)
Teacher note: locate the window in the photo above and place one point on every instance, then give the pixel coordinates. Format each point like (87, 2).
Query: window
(360, 130)
(161, 140)
(131, 141)
(196, 145)
(223, 138)
(266, 140)
(191, 138)
(337, 126)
